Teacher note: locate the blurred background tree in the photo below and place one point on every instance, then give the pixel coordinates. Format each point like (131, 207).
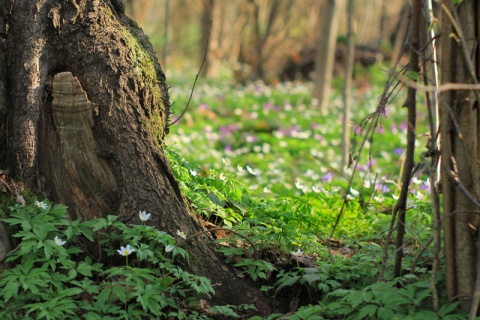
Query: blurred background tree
(271, 40)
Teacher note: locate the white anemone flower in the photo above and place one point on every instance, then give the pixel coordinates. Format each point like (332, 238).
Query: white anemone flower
(59, 241)
(297, 253)
(126, 251)
(41, 204)
(251, 171)
(299, 185)
(226, 161)
(193, 173)
(169, 248)
(144, 216)
(181, 234)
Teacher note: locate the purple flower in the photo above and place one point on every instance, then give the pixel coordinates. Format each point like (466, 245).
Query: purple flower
(403, 126)
(268, 106)
(382, 187)
(398, 151)
(425, 185)
(380, 129)
(371, 163)
(225, 131)
(233, 127)
(357, 130)
(394, 128)
(328, 177)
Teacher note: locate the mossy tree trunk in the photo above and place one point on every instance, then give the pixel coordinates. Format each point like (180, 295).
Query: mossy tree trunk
(84, 108)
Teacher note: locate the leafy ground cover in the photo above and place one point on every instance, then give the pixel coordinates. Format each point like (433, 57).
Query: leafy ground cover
(265, 161)
(262, 163)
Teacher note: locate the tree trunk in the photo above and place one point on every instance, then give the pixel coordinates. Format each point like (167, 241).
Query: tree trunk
(206, 24)
(347, 85)
(460, 151)
(84, 108)
(325, 51)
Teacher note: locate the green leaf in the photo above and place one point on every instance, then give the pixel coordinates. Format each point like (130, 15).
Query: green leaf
(355, 298)
(104, 297)
(71, 292)
(311, 278)
(10, 290)
(59, 210)
(288, 281)
(367, 311)
(85, 269)
(447, 308)
(42, 228)
(119, 291)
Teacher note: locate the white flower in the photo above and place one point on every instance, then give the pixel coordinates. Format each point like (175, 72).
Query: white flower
(59, 241)
(41, 204)
(354, 192)
(144, 216)
(378, 198)
(181, 234)
(193, 173)
(420, 196)
(297, 253)
(240, 169)
(318, 189)
(169, 248)
(299, 185)
(417, 181)
(251, 171)
(410, 204)
(222, 176)
(125, 251)
(226, 161)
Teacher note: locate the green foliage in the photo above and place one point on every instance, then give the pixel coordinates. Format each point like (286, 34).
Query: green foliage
(262, 161)
(292, 197)
(55, 277)
(380, 300)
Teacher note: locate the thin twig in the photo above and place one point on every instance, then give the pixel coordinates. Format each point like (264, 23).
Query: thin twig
(196, 79)
(420, 254)
(411, 138)
(454, 175)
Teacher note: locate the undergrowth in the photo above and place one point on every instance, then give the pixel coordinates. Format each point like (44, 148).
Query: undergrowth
(262, 162)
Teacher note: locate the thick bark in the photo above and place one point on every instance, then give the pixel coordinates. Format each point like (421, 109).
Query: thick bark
(84, 108)
(459, 147)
